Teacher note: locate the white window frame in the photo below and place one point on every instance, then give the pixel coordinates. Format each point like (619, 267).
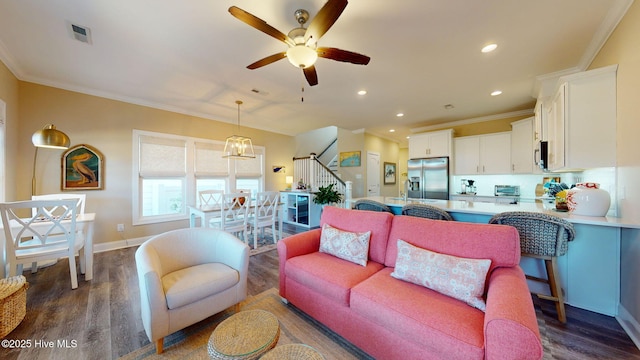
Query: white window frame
(189, 178)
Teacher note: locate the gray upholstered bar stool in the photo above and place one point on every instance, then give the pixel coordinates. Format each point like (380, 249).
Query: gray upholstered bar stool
(371, 205)
(542, 236)
(426, 211)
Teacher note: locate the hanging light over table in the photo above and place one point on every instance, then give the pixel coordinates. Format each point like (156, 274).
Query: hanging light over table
(238, 147)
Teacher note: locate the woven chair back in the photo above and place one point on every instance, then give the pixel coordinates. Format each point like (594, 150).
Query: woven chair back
(371, 205)
(540, 234)
(426, 211)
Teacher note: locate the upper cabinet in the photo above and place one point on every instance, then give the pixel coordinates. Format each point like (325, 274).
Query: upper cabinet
(582, 121)
(483, 154)
(522, 146)
(431, 144)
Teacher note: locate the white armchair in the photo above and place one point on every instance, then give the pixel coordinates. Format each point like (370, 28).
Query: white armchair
(187, 275)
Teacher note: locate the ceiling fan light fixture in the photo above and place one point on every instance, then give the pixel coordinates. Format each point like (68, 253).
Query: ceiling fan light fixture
(302, 56)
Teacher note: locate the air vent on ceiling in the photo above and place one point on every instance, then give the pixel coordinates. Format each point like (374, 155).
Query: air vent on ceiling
(81, 33)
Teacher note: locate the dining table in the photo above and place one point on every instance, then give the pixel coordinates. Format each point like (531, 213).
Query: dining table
(206, 213)
(84, 225)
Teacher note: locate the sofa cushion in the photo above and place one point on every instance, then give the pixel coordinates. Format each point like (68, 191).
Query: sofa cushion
(460, 278)
(498, 243)
(329, 275)
(194, 283)
(378, 223)
(350, 246)
(448, 328)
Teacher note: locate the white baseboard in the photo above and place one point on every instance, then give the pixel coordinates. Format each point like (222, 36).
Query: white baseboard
(121, 244)
(629, 324)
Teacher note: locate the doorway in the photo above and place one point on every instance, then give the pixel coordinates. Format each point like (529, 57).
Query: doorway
(373, 174)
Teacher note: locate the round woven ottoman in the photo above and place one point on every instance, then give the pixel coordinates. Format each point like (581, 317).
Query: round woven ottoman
(13, 303)
(293, 352)
(245, 335)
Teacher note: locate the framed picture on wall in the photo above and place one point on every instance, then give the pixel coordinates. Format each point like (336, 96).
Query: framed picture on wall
(389, 173)
(350, 158)
(82, 168)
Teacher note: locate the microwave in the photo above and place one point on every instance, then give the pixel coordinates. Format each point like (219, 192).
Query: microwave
(506, 190)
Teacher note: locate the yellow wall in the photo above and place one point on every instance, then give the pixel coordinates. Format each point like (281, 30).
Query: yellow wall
(388, 151)
(349, 141)
(480, 128)
(622, 49)
(9, 94)
(107, 125)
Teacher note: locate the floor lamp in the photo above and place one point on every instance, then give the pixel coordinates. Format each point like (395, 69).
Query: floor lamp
(47, 137)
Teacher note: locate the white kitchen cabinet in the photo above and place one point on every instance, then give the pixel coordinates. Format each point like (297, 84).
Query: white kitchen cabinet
(431, 144)
(582, 121)
(522, 146)
(483, 154)
(540, 122)
(299, 209)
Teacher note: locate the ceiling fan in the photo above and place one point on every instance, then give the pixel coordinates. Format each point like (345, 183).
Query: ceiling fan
(303, 50)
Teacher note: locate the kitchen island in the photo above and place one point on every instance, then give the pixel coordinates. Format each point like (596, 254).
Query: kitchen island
(589, 272)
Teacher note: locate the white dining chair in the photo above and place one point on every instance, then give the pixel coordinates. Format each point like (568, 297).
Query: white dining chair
(234, 214)
(81, 198)
(264, 214)
(42, 236)
(210, 198)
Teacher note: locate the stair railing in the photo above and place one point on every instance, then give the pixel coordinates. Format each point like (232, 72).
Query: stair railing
(315, 174)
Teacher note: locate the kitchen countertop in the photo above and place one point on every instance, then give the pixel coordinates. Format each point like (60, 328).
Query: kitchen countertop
(482, 208)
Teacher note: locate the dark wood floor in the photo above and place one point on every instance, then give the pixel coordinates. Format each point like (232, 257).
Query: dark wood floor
(101, 319)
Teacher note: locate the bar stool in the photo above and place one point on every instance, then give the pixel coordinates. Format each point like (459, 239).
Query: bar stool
(426, 211)
(371, 205)
(546, 237)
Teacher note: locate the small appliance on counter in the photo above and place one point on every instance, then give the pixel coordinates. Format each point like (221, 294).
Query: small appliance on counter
(471, 189)
(506, 190)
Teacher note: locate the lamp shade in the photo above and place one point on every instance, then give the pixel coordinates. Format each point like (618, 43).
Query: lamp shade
(302, 56)
(50, 137)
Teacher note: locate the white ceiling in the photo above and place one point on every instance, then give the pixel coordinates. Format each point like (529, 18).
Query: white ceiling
(191, 57)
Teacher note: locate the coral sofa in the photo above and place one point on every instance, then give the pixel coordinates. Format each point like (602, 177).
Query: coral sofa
(394, 319)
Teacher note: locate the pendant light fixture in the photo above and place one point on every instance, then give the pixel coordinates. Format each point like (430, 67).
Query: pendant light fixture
(47, 137)
(238, 147)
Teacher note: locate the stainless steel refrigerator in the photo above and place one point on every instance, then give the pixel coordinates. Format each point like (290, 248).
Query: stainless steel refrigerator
(428, 178)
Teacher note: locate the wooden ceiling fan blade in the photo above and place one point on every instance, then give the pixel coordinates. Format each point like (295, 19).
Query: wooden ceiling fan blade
(343, 55)
(266, 61)
(260, 24)
(311, 75)
(324, 19)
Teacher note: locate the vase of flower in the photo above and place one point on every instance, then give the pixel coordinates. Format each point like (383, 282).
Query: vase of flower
(588, 199)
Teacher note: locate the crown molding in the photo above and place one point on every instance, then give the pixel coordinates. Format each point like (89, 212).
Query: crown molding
(472, 120)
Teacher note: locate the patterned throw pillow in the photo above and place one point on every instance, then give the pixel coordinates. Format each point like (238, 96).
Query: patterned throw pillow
(453, 276)
(346, 245)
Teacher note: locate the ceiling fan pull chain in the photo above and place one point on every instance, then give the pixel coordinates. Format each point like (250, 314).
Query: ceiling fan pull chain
(302, 91)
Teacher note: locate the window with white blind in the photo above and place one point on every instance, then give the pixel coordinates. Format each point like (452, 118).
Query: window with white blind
(172, 169)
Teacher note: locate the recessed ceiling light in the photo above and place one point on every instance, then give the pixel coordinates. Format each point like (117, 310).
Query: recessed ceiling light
(399, 114)
(408, 137)
(362, 92)
(489, 48)
(449, 106)
(496, 93)
(392, 130)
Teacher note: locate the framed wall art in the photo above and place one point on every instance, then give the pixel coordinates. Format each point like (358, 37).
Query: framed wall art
(389, 173)
(350, 158)
(82, 168)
